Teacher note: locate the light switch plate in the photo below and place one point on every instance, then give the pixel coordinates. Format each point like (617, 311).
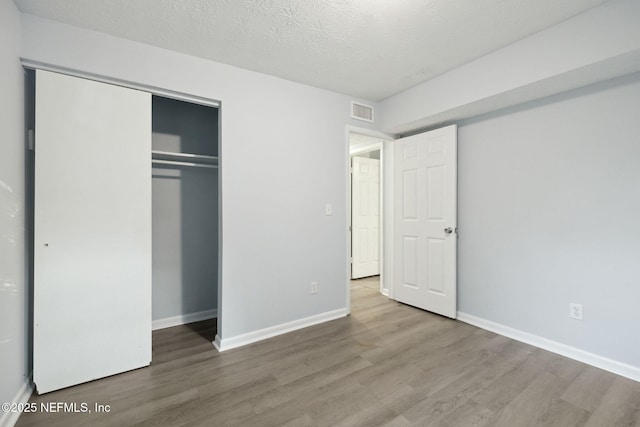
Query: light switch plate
(328, 209)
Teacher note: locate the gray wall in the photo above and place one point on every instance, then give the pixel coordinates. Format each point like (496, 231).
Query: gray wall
(549, 209)
(13, 283)
(599, 44)
(185, 212)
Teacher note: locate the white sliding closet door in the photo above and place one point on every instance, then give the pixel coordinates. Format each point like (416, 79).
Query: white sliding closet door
(92, 237)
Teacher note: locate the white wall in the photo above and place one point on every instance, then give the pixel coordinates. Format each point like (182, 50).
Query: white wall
(599, 44)
(283, 157)
(549, 202)
(14, 357)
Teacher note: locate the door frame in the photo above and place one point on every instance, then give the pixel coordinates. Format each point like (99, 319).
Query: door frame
(384, 144)
(180, 96)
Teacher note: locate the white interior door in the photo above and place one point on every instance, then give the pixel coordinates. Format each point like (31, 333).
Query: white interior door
(365, 217)
(425, 220)
(92, 236)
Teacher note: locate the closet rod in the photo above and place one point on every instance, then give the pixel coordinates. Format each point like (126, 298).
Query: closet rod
(190, 164)
(183, 155)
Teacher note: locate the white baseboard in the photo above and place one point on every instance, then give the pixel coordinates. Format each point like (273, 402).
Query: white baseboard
(216, 343)
(9, 419)
(619, 368)
(223, 344)
(183, 319)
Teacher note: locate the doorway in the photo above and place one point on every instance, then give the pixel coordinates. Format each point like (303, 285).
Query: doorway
(417, 186)
(369, 207)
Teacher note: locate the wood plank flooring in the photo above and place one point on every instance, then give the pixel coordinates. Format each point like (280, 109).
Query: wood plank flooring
(387, 364)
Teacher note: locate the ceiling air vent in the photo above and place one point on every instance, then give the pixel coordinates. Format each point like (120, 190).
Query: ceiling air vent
(361, 112)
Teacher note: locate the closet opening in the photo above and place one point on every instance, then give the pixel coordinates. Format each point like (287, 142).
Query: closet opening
(122, 195)
(185, 212)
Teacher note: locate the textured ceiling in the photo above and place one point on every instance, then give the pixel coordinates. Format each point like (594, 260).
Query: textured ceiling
(369, 49)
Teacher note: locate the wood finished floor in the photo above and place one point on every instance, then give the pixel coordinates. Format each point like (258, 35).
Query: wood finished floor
(386, 365)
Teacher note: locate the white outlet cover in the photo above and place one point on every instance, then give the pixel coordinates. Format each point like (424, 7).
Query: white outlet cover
(575, 311)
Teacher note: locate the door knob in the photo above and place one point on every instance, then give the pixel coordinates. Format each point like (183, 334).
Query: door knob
(448, 230)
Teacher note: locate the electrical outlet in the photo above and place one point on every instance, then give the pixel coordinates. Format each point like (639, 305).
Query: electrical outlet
(575, 311)
(314, 287)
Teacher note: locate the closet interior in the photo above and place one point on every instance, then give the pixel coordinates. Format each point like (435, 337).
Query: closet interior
(184, 212)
